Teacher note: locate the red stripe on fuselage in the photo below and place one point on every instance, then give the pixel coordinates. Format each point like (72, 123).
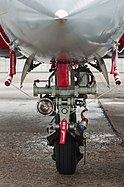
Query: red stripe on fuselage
(3, 45)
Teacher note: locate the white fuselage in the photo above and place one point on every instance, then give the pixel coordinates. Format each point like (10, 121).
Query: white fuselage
(86, 27)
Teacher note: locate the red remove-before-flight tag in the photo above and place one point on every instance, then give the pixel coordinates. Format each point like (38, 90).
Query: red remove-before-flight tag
(63, 131)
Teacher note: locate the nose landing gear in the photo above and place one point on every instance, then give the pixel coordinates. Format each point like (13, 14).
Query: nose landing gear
(65, 132)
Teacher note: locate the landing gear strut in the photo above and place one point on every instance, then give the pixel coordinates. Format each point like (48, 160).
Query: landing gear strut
(65, 132)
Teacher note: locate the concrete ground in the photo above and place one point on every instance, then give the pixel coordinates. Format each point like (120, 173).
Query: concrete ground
(25, 157)
(114, 110)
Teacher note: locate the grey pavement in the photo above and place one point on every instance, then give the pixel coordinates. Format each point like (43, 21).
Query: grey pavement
(25, 157)
(114, 110)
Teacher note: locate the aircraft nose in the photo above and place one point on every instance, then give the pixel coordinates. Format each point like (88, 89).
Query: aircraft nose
(61, 14)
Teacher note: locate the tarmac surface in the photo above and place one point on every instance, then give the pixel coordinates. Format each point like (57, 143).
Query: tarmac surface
(114, 110)
(25, 157)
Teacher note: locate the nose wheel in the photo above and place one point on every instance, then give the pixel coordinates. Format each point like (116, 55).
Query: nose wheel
(66, 156)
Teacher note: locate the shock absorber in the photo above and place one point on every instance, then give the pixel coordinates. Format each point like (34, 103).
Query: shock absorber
(63, 81)
(63, 76)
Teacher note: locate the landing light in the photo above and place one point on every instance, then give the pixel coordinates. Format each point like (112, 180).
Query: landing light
(61, 14)
(45, 106)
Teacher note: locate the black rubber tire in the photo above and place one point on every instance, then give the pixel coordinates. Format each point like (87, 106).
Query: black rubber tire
(66, 159)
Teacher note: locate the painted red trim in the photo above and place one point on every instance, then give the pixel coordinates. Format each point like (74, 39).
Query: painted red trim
(121, 41)
(12, 69)
(113, 63)
(12, 62)
(3, 45)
